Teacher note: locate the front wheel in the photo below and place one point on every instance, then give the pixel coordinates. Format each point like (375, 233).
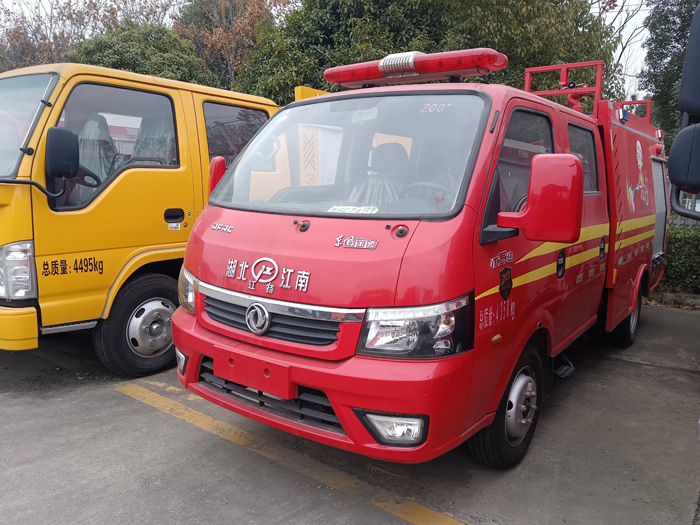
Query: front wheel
(137, 338)
(503, 444)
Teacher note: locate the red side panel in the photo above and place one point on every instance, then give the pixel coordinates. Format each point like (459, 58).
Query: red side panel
(629, 148)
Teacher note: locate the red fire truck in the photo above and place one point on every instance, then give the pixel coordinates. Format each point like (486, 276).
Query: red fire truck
(392, 269)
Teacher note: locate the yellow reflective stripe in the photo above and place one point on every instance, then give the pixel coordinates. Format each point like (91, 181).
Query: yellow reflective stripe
(587, 234)
(579, 258)
(633, 224)
(535, 275)
(548, 270)
(632, 240)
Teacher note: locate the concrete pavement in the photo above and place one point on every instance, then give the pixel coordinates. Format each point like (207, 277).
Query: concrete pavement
(617, 445)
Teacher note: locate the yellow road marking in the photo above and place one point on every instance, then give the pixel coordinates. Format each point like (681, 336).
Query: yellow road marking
(405, 509)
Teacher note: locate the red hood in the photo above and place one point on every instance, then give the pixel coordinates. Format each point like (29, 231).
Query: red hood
(424, 266)
(328, 256)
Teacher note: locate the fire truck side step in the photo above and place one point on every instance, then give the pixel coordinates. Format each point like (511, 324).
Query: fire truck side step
(565, 370)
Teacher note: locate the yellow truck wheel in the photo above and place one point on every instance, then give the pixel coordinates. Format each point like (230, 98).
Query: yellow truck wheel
(136, 339)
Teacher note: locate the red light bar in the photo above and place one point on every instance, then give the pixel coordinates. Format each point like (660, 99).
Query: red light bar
(413, 66)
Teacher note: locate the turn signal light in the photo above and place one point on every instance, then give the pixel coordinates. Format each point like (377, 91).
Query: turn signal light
(415, 66)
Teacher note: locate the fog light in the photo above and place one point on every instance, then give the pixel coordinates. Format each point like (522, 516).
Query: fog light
(181, 361)
(395, 429)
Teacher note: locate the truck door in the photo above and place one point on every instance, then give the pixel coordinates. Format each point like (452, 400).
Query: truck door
(513, 273)
(133, 196)
(228, 128)
(585, 259)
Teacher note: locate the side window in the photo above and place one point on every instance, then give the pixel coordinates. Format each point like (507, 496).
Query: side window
(118, 128)
(528, 134)
(582, 144)
(229, 128)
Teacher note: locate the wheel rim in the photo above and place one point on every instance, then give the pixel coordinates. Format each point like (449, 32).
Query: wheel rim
(149, 329)
(634, 318)
(521, 406)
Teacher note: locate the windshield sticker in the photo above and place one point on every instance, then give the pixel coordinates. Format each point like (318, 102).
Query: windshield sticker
(264, 271)
(353, 209)
(355, 242)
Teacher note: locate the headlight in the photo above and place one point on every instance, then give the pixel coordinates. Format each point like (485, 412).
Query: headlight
(419, 333)
(17, 271)
(185, 290)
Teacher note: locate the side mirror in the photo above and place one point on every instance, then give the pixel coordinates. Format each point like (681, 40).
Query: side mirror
(217, 168)
(684, 168)
(62, 153)
(554, 202)
(684, 160)
(688, 99)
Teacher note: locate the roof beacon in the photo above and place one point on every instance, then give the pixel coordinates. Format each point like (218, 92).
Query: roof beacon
(414, 66)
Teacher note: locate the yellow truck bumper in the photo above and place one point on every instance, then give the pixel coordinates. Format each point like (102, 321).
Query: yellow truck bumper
(18, 329)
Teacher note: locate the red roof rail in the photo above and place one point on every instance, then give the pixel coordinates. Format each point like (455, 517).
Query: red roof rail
(574, 92)
(647, 103)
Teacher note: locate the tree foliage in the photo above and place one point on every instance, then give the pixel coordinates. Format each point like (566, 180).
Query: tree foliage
(668, 24)
(223, 31)
(148, 49)
(43, 31)
(323, 34)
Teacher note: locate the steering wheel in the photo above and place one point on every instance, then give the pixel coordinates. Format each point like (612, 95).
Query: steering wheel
(86, 177)
(428, 185)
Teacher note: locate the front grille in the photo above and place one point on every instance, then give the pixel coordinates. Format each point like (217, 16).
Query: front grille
(285, 327)
(311, 407)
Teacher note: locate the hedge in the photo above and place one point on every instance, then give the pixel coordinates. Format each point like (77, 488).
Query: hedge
(683, 266)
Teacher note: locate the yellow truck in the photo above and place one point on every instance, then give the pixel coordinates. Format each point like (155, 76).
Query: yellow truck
(102, 175)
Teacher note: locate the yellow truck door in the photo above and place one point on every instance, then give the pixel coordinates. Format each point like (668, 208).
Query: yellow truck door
(228, 125)
(131, 204)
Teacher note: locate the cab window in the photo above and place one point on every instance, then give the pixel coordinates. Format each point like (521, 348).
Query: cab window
(229, 128)
(118, 129)
(529, 133)
(582, 145)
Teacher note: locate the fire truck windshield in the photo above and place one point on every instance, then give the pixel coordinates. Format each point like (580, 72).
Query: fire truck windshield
(20, 106)
(398, 155)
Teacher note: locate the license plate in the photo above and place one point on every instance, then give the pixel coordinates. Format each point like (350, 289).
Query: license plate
(259, 374)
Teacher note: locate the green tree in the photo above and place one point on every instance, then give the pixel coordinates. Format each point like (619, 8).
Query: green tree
(328, 33)
(43, 31)
(668, 24)
(148, 49)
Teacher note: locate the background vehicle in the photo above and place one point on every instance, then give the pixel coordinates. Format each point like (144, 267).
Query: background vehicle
(428, 250)
(98, 245)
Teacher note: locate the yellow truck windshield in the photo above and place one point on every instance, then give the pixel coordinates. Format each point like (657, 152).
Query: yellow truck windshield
(20, 106)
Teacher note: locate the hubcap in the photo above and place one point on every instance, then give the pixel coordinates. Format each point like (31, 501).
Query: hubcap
(521, 407)
(149, 330)
(635, 318)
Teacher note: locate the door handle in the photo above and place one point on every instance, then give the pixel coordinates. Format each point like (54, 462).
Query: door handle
(174, 215)
(561, 263)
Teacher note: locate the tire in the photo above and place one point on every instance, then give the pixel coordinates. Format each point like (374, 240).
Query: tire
(504, 443)
(625, 333)
(136, 339)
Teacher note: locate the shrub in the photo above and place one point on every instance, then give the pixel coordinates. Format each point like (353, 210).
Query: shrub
(683, 266)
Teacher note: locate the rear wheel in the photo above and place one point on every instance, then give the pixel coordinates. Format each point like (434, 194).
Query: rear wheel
(504, 443)
(136, 339)
(626, 332)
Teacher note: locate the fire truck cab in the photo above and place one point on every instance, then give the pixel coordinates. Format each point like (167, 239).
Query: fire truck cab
(391, 270)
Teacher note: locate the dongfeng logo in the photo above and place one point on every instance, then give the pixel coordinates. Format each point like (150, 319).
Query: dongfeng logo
(257, 319)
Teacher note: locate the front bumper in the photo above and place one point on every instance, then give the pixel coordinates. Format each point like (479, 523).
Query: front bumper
(18, 328)
(438, 389)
